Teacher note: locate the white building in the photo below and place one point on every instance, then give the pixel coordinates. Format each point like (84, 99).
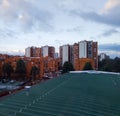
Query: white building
(48, 51)
(103, 56)
(65, 53)
(28, 52)
(83, 49)
(45, 51)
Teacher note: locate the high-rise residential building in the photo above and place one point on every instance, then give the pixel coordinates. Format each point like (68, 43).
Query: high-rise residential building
(65, 53)
(71, 57)
(95, 54)
(44, 51)
(33, 52)
(103, 56)
(30, 52)
(60, 52)
(89, 49)
(48, 51)
(38, 52)
(75, 54)
(81, 50)
(51, 51)
(60, 55)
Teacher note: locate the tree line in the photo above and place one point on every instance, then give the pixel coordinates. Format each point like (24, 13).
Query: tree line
(20, 69)
(111, 65)
(67, 66)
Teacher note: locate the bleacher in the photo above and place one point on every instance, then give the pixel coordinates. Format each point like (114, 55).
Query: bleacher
(73, 94)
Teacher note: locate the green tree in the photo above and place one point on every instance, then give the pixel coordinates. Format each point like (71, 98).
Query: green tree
(7, 70)
(109, 66)
(106, 65)
(88, 66)
(20, 68)
(34, 72)
(117, 64)
(67, 67)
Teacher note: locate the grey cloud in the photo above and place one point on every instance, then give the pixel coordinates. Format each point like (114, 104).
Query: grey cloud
(110, 47)
(111, 18)
(109, 32)
(75, 29)
(112, 50)
(72, 29)
(6, 33)
(26, 15)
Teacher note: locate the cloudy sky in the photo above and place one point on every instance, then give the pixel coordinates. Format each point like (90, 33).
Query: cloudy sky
(25, 23)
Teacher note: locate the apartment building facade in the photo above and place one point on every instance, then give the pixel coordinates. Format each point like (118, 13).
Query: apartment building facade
(87, 50)
(83, 49)
(103, 56)
(65, 53)
(48, 51)
(31, 51)
(40, 52)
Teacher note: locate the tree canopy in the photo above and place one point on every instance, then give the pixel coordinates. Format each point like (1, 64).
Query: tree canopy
(20, 67)
(117, 64)
(111, 65)
(7, 69)
(67, 67)
(34, 72)
(88, 66)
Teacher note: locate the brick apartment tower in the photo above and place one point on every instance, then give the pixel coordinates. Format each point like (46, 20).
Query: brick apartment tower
(81, 50)
(75, 54)
(33, 52)
(48, 51)
(65, 53)
(30, 52)
(89, 49)
(40, 52)
(95, 54)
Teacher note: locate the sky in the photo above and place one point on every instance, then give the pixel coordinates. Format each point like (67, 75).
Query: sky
(25, 23)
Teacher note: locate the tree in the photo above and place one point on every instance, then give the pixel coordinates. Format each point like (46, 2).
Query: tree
(67, 67)
(34, 72)
(88, 66)
(117, 64)
(106, 65)
(7, 70)
(109, 66)
(112, 65)
(20, 67)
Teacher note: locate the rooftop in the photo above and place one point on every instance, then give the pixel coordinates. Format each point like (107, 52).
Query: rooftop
(72, 94)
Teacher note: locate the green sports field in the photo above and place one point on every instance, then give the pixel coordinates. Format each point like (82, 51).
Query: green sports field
(73, 94)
